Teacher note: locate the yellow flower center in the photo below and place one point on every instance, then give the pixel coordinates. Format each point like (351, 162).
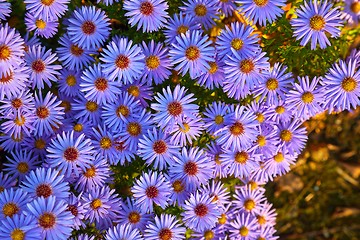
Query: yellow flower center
(279, 157)
(91, 106)
(182, 29)
(90, 172)
(41, 24)
(122, 110)
(105, 143)
(9, 209)
(209, 235)
(134, 128)
(260, 3)
(279, 109)
(219, 119)
(272, 84)
(47, 2)
(66, 105)
(222, 220)
(261, 220)
(244, 231)
(78, 127)
(76, 50)
(178, 186)
(101, 84)
(249, 204)
(237, 129)
(5, 52)
(23, 167)
(246, 66)
(40, 143)
(96, 203)
(260, 117)
(307, 97)
(17, 234)
(241, 157)
(20, 121)
(217, 159)
(261, 140)
(186, 128)
(200, 10)
(153, 62)
(285, 135)
(213, 67)
(134, 217)
(237, 43)
(134, 91)
(192, 53)
(348, 84)
(47, 220)
(355, 7)
(42, 112)
(317, 22)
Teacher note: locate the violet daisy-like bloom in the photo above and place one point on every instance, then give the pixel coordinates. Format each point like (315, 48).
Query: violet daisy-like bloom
(11, 143)
(351, 12)
(274, 86)
(172, 105)
(7, 181)
(157, 63)
(5, 9)
(292, 136)
(280, 112)
(187, 130)
(22, 102)
(53, 219)
(44, 182)
(88, 27)
(132, 215)
(191, 53)
(248, 200)
(13, 82)
(203, 11)
(261, 11)
(179, 24)
(47, 9)
(11, 49)
(103, 141)
(342, 86)
(18, 124)
(192, 166)
(72, 55)
(102, 206)
(76, 208)
(134, 128)
(69, 82)
(165, 227)
(140, 91)
(267, 140)
(279, 163)
(241, 130)
(20, 164)
(20, 227)
(48, 113)
(12, 202)
(215, 76)
(200, 212)
(266, 217)
(213, 233)
(214, 153)
(244, 73)
(43, 28)
(41, 67)
(239, 38)
(217, 190)
(87, 110)
(150, 15)
(122, 60)
(305, 98)
(216, 116)
(240, 163)
(97, 86)
(315, 20)
(152, 188)
(123, 231)
(70, 155)
(37, 144)
(244, 227)
(155, 147)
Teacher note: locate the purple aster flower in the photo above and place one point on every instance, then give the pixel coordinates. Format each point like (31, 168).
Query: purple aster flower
(41, 67)
(103, 141)
(217, 190)
(165, 227)
(87, 110)
(5, 9)
(155, 147)
(47, 9)
(241, 130)
(177, 25)
(213, 233)
(97, 86)
(305, 98)
(20, 227)
(244, 72)
(261, 11)
(214, 77)
(243, 227)
(134, 129)
(315, 20)
(150, 15)
(12, 202)
(191, 53)
(68, 154)
(292, 136)
(239, 38)
(187, 130)
(88, 27)
(240, 163)
(267, 140)
(122, 60)
(193, 166)
(214, 153)
(79, 127)
(7, 181)
(266, 217)
(102, 206)
(203, 11)
(227, 7)
(140, 91)
(20, 164)
(200, 212)
(43, 28)
(69, 82)
(132, 215)
(280, 162)
(22, 102)
(13, 82)
(123, 231)
(18, 124)
(53, 219)
(37, 144)
(44, 182)
(125, 106)
(95, 175)
(151, 188)
(48, 112)
(11, 49)
(248, 200)
(351, 12)
(172, 105)
(258, 108)
(342, 86)
(157, 63)
(76, 208)
(11, 143)
(274, 86)
(216, 116)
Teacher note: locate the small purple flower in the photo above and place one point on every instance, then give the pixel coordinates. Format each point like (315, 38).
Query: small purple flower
(165, 227)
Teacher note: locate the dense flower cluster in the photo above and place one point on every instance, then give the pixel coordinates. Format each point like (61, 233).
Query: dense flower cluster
(72, 117)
